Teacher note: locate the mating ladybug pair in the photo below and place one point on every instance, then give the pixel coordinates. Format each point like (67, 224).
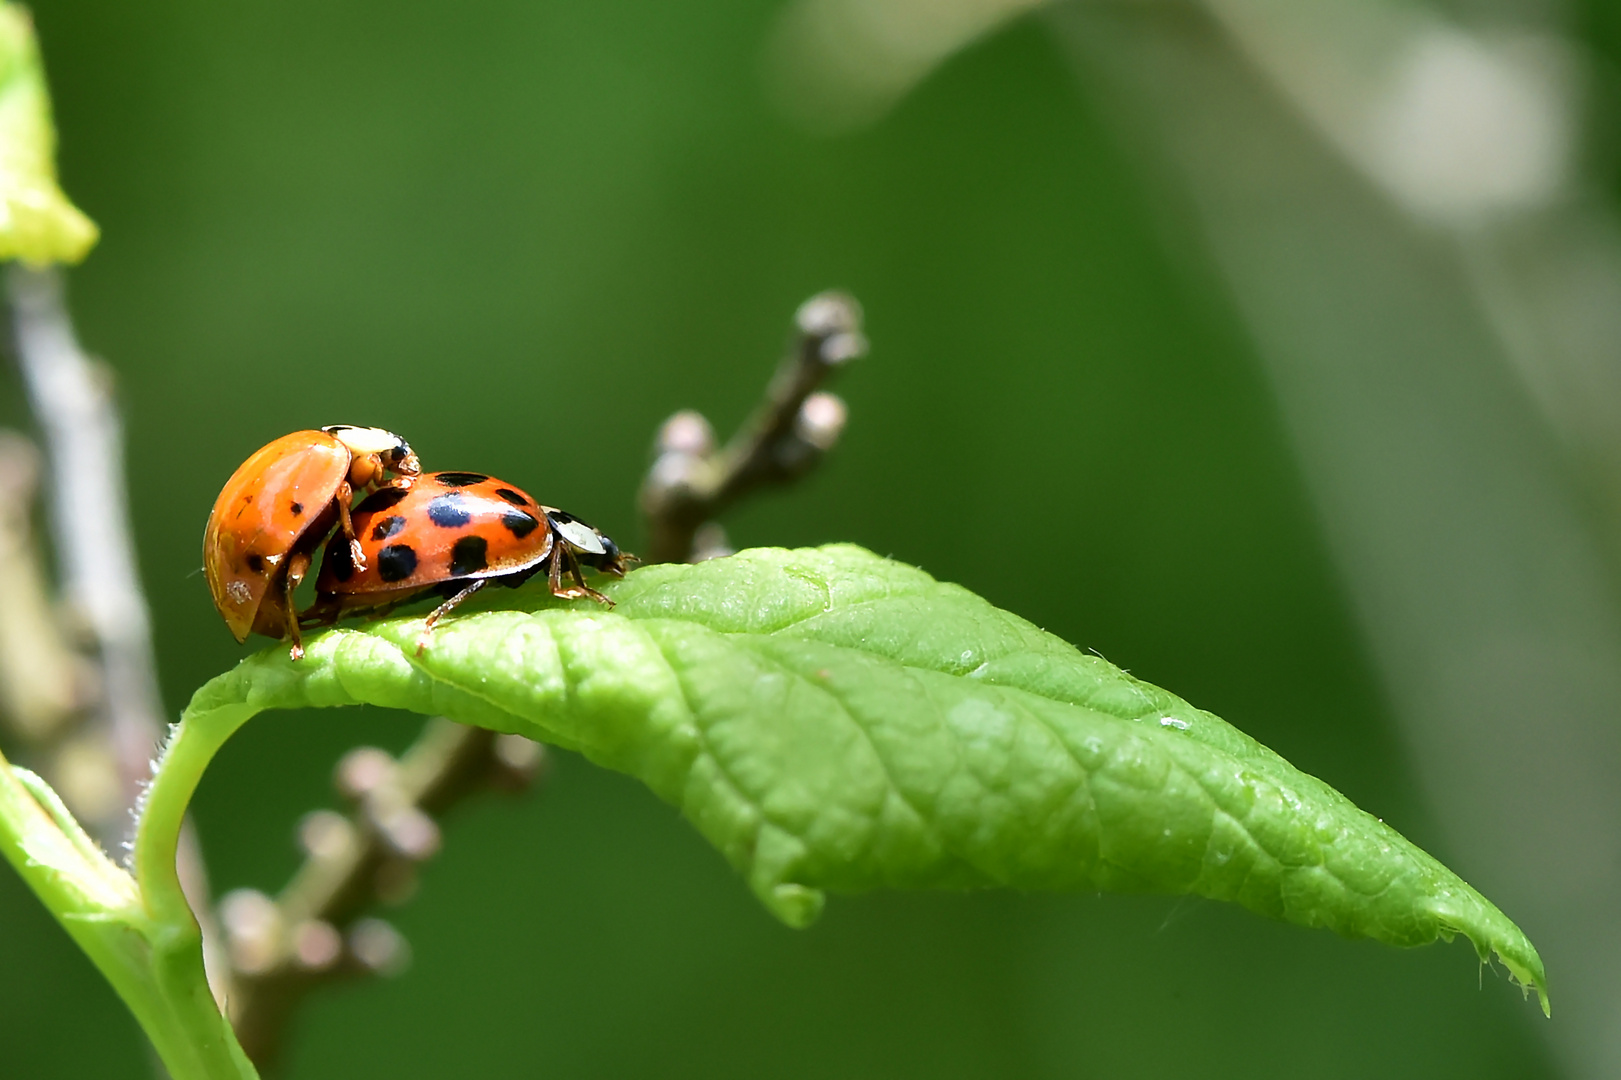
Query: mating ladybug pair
(414, 533)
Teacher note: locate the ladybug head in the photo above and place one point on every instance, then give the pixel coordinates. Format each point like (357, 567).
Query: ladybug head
(375, 452)
(401, 460)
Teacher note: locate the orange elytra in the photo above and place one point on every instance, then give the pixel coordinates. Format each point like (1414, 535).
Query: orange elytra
(276, 509)
(452, 533)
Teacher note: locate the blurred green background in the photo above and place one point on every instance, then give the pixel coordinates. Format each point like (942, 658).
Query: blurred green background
(522, 234)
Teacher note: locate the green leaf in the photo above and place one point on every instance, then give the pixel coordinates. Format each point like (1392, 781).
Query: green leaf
(37, 222)
(830, 719)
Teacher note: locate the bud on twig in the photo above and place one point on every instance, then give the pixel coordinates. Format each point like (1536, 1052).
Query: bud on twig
(690, 482)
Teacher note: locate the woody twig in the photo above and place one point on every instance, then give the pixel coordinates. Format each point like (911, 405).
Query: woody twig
(82, 688)
(692, 481)
(318, 929)
(45, 685)
(72, 400)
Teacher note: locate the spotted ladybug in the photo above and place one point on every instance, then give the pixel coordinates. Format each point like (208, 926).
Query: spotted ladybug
(276, 509)
(452, 533)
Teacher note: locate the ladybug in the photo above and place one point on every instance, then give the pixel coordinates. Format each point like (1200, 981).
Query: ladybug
(452, 533)
(276, 509)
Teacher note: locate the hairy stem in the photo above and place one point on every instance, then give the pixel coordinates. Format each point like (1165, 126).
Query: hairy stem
(155, 964)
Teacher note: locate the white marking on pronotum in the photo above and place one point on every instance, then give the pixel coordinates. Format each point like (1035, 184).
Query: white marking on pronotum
(580, 535)
(365, 440)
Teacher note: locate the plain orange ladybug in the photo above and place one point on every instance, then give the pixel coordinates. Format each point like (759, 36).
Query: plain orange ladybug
(277, 508)
(452, 533)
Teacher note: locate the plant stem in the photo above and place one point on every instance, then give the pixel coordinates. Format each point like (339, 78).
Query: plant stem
(175, 939)
(154, 965)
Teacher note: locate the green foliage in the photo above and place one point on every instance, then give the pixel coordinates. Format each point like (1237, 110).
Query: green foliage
(150, 956)
(37, 222)
(830, 719)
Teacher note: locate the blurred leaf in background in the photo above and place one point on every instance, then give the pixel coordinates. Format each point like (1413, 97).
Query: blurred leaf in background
(1217, 337)
(37, 222)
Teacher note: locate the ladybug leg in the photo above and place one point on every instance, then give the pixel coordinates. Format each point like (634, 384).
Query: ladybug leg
(324, 612)
(554, 571)
(582, 589)
(563, 558)
(560, 555)
(345, 496)
(445, 609)
(297, 567)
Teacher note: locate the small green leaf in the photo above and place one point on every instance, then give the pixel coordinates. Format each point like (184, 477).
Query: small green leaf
(830, 719)
(37, 222)
(53, 854)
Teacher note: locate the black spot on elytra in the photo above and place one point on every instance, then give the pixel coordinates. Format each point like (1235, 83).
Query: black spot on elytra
(468, 556)
(387, 527)
(449, 512)
(459, 479)
(381, 499)
(298, 509)
(518, 524)
(514, 497)
(255, 562)
(396, 562)
(340, 558)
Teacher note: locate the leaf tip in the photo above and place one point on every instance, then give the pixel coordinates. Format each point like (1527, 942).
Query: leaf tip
(796, 905)
(1529, 976)
(1500, 938)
